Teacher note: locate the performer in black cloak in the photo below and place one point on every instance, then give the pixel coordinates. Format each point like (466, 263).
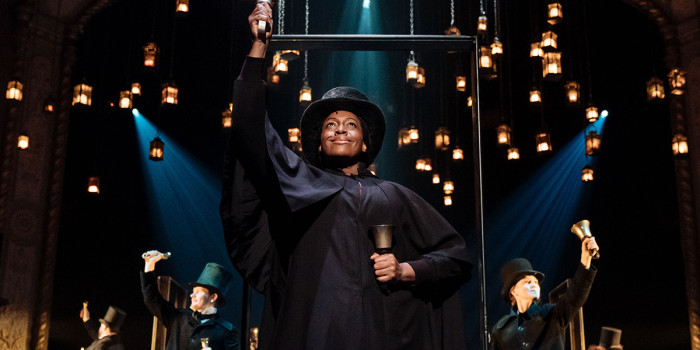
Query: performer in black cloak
(105, 333)
(297, 229)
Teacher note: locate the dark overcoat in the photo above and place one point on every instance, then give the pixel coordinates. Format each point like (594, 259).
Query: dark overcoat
(543, 327)
(299, 234)
(185, 330)
(110, 342)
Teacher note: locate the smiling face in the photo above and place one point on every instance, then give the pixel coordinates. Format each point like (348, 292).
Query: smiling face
(201, 298)
(341, 135)
(527, 289)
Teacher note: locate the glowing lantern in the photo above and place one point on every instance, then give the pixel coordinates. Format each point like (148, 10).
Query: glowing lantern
(420, 164)
(448, 187)
(535, 96)
(150, 55)
(183, 6)
(279, 64)
(14, 90)
(305, 93)
(496, 48)
(503, 134)
(272, 77)
(655, 89)
(126, 99)
(679, 144)
(436, 178)
(513, 153)
(442, 138)
(549, 40)
(82, 94)
(447, 200)
(469, 101)
(457, 153)
(592, 114)
(573, 92)
(49, 106)
(536, 50)
(23, 141)
(226, 116)
(554, 13)
(551, 65)
(482, 25)
(593, 140)
(156, 150)
(485, 60)
(136, 89)
(676, 80)
(404, 137)
(461, 83)
(93, 185)
(544, 144)
(587, 174)
(413, 134)
(294, 134)
(169, 93)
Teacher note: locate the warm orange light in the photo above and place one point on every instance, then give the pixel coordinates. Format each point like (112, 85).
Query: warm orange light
(294, 134)
(23, 141)
(513, 153)
(457, 153)
(82, 94)
(503, 134)
(592, 114)
(14, 90)
(573, 91)
(544, 144)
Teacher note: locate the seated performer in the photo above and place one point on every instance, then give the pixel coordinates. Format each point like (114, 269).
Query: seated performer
(186, 327)
(297, 229)
(529, 324)
(106, 335)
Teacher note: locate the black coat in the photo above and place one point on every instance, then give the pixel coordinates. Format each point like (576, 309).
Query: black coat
(110, 342)
(299, 234)
(543, 327)
(184, 330)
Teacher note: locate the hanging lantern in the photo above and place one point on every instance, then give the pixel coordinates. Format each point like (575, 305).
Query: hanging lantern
(82, 95)
(593, 140)
(226, 116)
(496, 48)
(294, 135)
(14, 90)
(573, 91)
(156, 150)
(290, 55)
(485, 60)
(415, 74)
(549, 40)
(482, 25)
(554, 13)
(272, 77)
(448, 187)
(428, 165)
(420, 164)
(49, 106)
(23, 141)
(404, 137)
(442, 138)
(447, 200)
(280, 65)
(679, 144)
(457, 153)
(536, 50)
(676, 80)
(126, 99)
(513, 153)
(469, 101)
(535, 96)
(655, 89)
(305, 93)
(253, 341)
(93, 185)
(544, 144)
(136, 89)
(413, 134)
(453, 30)
(150, 55)
(551, 66)
(183, 6)
(503, 135)
(592, 114)
(587, 173)
(436, 178)
(169, 93)
(461, 83)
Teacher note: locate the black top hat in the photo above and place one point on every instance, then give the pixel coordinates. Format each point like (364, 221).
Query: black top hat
(114, 318)
(513, 271)
(215, 278)
(342, 98)
(610, 338)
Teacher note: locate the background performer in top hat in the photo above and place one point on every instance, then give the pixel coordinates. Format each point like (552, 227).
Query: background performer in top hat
(297, 229)
(529, 324)
(106, 335)
(186, 327)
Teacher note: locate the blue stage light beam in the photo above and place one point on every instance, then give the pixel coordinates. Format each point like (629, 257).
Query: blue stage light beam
(534, 222)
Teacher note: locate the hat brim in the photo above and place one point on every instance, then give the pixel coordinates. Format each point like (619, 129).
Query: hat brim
(221, 299)
(505, 291)
(316, 113)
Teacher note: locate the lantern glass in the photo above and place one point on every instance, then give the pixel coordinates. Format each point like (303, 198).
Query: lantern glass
(150, 55)
(485, 60)
(404, 137)
(543, 141)
(655, 89)
(676, 80)
(136, 89)
(272, 77)
(169, 93)
(496, 48)
(461, 83)
(482, 25)
(573, 91)
(280, 65)
(513, 153)
(448, 187)
(447, 200)
(93, 185)
(470, 102)
(289, 54)
(49, 106)
(442, 138)
(23, 141)
(436, 178)
(679, 144)
(82, 94)
(587, 174)
(457, 153)
(226, 117)
(413, 134)
(536, 50)
(453, 30)
(593, 140)
(294, 134)
(549, 40)
(305, 93)
(592, 114)
(14, 90)
(420, 164)
(411, 71)
(551, 65)
(156, 149)
(535, 96)
(554, 13)
(503, 134)
(420, 81)
(428, 165)
(183, 6)
(126, 99)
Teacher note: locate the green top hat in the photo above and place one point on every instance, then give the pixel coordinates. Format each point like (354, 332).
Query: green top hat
(215, 278)
(114, 318)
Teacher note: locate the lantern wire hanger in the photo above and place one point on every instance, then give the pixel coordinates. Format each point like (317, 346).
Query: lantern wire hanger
(170, 90)
(305, 93)
(591, 110)
(572, 87)
(496, 46)
(482, 22)
(655, 86)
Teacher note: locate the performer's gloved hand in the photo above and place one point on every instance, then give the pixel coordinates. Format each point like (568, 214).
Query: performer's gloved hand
(388, 269)
(151, 257)
(588, 249)
(262, 12)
